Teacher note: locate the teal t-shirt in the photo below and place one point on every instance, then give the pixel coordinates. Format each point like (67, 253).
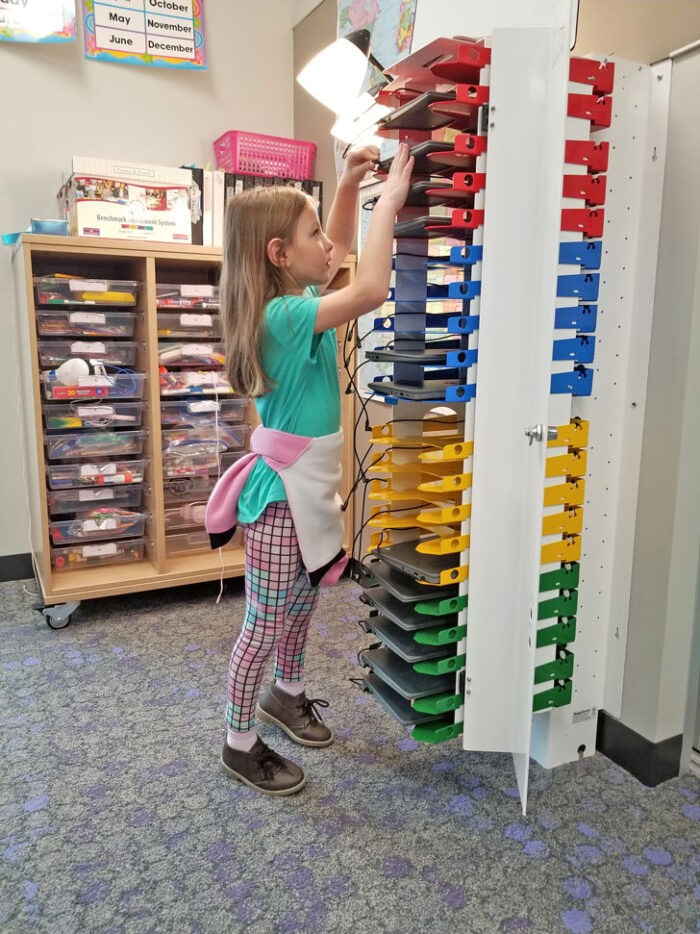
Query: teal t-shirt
(306, 396)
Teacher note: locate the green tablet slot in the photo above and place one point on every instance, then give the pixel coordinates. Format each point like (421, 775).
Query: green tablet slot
(441, 666)
(398, 707)
(565, 604)
(558, 696)
(402, 614)
(402, 643)
(438, 703)
(562, 633)
(439, 635)
(442, 607)
(562, 578)
(437, 732)
(559, 668)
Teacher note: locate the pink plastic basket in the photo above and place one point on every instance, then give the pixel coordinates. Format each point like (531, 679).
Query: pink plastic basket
(256, 154)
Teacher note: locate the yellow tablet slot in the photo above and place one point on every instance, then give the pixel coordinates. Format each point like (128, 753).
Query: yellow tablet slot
(445, 545)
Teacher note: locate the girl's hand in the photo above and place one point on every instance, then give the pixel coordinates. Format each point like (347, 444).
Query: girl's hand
(399, 178)
(359, 162)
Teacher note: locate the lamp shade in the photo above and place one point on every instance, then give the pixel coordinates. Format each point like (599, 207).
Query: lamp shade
(334, 76)
(358, 124)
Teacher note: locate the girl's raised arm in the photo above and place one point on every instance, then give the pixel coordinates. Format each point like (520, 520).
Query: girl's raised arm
(370, 286)
(342, 219)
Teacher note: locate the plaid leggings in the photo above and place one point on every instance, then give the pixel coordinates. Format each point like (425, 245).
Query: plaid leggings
(279, 604)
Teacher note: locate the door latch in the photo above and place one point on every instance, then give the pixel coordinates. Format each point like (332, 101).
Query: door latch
(540, 432)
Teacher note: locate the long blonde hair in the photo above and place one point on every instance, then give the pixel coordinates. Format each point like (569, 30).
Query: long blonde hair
(249, 280)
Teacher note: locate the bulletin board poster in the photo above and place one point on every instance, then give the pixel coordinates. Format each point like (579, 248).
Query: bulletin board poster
(37, 20)
(390, 23)
(161, 33)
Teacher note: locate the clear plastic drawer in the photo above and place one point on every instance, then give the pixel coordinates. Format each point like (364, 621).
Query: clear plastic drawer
(230, 457)
(114, 353)
(111, 386)
(101, 522)
(93, 415)
(176, 465)
(77, 557)
(96, 473)
(184, 295)
(72, 290)
(185, 489)
(94, 444)
(185, 516)
(201, 412)
(193, 382)
(189, 325)
(176, 353)
(185, 543)
(206, 440)
(57, 323)
(82, 500)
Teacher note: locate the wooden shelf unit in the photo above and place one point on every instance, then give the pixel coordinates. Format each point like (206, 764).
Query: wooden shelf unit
(147, 263)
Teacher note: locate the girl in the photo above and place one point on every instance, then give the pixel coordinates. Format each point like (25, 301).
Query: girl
(281, 349)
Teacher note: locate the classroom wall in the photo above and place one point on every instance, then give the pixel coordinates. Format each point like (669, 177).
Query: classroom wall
(313, 121)
(56, 104)
(639, 30)
(668, 515)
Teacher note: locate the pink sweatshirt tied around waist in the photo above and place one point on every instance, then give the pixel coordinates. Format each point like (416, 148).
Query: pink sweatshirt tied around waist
(310, 471)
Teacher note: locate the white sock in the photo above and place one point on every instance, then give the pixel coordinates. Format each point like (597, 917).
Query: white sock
(243, 742)
(291, 687)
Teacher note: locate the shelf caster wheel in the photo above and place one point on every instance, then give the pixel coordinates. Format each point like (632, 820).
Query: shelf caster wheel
(58, 617)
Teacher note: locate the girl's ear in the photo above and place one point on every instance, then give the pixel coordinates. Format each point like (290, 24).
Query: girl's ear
(276, 252)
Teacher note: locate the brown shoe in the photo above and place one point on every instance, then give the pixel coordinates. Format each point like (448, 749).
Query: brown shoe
(263, 769)
(296, 714)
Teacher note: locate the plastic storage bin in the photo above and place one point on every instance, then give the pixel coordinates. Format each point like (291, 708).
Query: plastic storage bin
(229, 458)
(178, 466)
(189, 325)
(185, 516)
(185, 543)
(67, 290)
(58, 323)
(175, 466)
(169, 295)
(93, 415)
(193, 382)
(101, 522)
(66, 501)
(96, 473)
(175, 353)
(186, 489)
(114, 353)
(207, 440)
(257, 154)
(77, 557)
(112, 386)
(94, 444)
(199, 412)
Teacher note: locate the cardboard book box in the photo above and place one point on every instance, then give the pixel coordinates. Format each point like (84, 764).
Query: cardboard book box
(127, 200)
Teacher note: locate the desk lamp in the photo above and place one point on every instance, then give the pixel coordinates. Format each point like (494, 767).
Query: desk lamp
(335, 76)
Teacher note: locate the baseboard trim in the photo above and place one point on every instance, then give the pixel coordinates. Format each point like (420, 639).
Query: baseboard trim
(16, 567)
(651, 763)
